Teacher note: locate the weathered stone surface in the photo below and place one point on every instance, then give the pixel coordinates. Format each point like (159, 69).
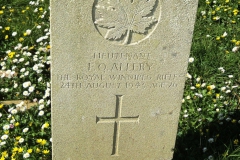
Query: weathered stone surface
(118, 71)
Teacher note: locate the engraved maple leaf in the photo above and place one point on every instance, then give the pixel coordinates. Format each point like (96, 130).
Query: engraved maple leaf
(122, 17)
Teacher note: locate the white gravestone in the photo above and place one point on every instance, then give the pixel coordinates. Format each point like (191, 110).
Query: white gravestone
(118, 73)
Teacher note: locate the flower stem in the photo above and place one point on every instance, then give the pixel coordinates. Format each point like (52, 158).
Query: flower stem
(127, 38)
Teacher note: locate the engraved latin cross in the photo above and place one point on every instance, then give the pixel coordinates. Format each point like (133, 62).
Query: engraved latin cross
(117, 120)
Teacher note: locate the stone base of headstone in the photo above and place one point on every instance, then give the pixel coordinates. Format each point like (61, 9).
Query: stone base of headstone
(5, 74)
(26, 103)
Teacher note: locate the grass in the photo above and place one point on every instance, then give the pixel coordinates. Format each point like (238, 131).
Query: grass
(209, 124)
